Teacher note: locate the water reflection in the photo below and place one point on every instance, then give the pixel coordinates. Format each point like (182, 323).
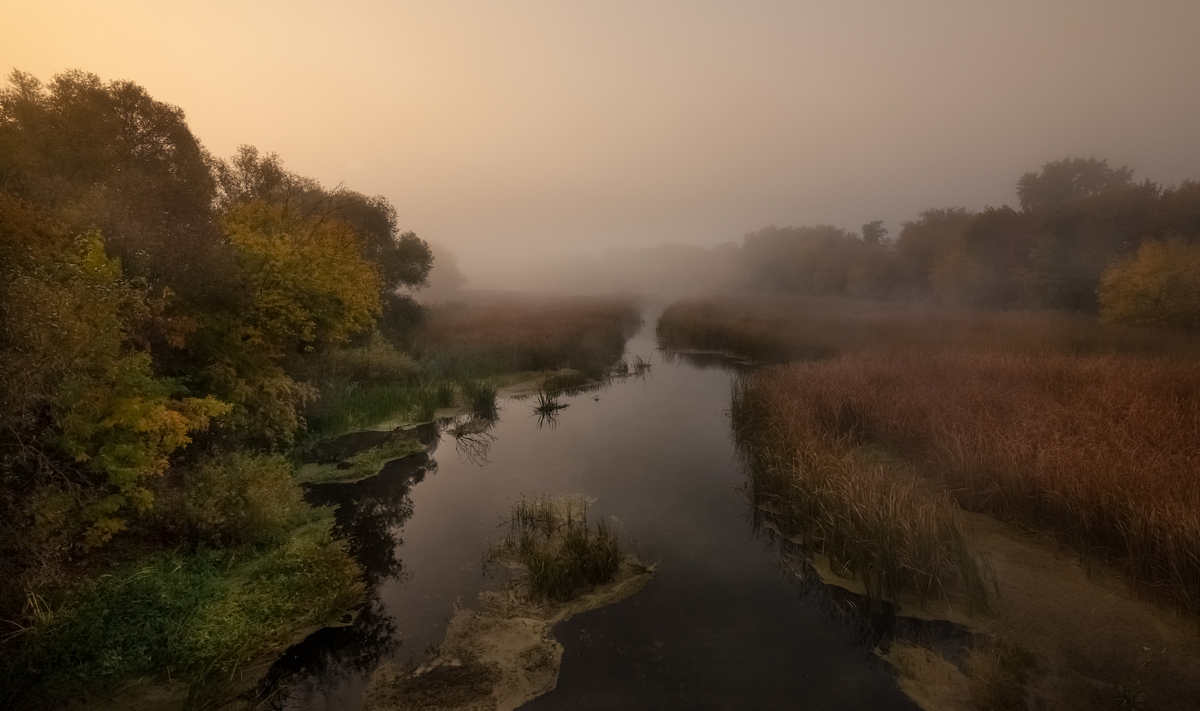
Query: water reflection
(370, 516)
(704, 360)
(473, 438)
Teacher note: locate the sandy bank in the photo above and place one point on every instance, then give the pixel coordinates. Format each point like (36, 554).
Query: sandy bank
(497, 656)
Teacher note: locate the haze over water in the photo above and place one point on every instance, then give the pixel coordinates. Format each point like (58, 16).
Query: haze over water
(512, 132)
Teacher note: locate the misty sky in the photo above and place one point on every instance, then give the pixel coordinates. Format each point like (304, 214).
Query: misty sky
(507, 129)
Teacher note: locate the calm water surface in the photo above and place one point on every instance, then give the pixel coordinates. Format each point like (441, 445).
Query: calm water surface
(720, 626)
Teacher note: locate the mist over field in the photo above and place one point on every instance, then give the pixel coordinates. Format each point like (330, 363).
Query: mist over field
(529, 133)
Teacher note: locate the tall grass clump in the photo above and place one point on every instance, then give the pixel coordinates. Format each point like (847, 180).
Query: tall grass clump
(481, 398)
(561, 552)
(357, 407)
(875, 523)
(230, 499)
(1101, 450)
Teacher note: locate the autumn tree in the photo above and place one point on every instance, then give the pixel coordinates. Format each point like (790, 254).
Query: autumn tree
(84, 419)
(1157, 286)
(107, 156)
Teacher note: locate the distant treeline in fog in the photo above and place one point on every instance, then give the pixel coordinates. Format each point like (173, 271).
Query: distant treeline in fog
(1087, 237)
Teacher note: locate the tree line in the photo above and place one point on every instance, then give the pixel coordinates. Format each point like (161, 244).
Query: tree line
(159, 304)
(1086, 237)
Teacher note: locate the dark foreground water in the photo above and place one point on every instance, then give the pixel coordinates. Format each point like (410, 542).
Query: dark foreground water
(719, 627)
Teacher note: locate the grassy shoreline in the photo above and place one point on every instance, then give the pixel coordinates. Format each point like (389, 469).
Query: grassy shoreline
(191, 604)
(880, 452)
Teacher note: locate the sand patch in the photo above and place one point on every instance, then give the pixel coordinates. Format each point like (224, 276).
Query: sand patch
(498, 656)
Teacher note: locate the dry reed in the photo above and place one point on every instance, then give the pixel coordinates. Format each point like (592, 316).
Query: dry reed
(1102, 450)
(520, 334)
(776, 329)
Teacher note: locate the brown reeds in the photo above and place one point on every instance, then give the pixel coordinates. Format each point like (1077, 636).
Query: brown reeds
(506, 334)
(875, 522)
(776, 329)
(1102, 450)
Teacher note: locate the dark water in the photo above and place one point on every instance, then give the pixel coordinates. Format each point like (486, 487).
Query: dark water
(720, 626)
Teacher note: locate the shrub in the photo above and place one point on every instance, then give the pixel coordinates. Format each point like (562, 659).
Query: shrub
(1158, 286)
(198, 615)
(241, 498)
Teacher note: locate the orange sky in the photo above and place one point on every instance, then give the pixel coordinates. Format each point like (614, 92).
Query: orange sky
(515, 128)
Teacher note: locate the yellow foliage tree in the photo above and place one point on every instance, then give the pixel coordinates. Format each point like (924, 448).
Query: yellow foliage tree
(1157, 286)
(309, 283)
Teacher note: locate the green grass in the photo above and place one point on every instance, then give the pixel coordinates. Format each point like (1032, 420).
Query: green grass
(481, 397)
(561, 552)
(362, 465)
(194, 615)
(357, 407)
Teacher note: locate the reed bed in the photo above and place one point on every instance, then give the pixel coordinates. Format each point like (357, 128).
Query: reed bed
(511, 334)
(875, 523)
(777, 329)
(1101, 450)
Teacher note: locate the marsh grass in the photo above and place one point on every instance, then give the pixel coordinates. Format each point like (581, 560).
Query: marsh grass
(356, 407)
(200, 615)
(514, 334)
(875, 523)
(363, 465)
(547, 403)
(562, 553)
(1101, 451)
(481, 398)
(777, 329)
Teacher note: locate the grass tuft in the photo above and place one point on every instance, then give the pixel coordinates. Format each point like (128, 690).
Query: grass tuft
(561, 552)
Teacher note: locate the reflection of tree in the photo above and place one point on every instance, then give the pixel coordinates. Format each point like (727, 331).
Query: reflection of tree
(371, 513)
(473, 438)
(328, 656)
(369, 517)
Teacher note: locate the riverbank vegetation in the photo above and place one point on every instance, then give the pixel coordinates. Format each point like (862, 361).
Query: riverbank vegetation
(178, 330)
(879, 425)
(559, 549)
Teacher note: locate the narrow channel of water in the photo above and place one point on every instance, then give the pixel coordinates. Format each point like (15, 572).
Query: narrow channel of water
(720, 626)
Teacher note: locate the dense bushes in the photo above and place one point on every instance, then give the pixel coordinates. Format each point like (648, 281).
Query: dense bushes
(183, 613)
(1158, 286)
(239, 498)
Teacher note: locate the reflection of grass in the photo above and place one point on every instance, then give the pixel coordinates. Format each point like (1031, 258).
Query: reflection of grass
(560, 550)
(202, 614)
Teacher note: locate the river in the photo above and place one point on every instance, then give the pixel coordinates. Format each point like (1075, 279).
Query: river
(720, 626)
